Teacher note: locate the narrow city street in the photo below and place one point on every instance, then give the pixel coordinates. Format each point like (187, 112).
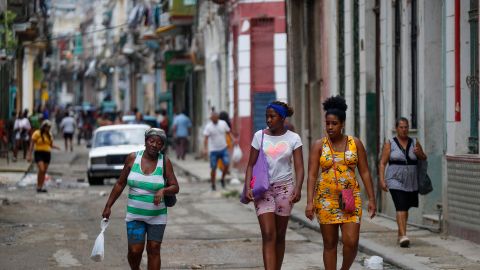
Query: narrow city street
(206, 230)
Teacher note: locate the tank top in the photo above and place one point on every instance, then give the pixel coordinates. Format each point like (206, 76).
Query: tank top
(142, 189)
(400, 174)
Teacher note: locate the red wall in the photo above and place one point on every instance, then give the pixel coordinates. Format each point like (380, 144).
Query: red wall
(250, 11)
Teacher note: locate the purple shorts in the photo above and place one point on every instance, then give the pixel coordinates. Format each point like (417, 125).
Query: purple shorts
(276, 199)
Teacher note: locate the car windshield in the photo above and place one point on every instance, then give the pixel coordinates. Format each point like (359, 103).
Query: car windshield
(119, 137)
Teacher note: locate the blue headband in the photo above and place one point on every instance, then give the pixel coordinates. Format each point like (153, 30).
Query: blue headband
(281, 110)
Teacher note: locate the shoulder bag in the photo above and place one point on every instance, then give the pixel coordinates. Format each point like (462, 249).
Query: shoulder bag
(170, 200)
(260, 180)
(346, 200)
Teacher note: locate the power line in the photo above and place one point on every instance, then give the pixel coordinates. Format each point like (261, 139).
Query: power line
(81, 34)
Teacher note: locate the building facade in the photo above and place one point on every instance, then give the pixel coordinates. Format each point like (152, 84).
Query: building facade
(412, 58)
(257, 64)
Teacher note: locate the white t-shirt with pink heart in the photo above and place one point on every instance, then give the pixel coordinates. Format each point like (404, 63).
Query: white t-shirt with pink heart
(279, 152)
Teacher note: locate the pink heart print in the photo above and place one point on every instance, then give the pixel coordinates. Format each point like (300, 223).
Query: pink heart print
(276, 150)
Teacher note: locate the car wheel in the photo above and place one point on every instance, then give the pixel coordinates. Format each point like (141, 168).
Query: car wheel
(95, 181)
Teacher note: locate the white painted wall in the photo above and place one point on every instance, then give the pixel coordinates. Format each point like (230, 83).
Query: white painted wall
(244, 87)
(457, 132)
(30, 54)
(217, 91)
(280, 65)
(348, 50)
(387, 108)
(331, 6)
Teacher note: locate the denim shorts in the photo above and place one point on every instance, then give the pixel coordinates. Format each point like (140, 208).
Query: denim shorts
(216, 155)
(136, 231)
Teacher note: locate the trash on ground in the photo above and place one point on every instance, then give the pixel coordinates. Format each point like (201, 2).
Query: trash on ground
(374, 262)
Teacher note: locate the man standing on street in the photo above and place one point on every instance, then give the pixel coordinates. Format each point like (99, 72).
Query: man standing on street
(181, 130)
(68, 126)
(215, 141)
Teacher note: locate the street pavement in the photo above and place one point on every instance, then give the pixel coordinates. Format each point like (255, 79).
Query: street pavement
(207, 230)
(378, 236)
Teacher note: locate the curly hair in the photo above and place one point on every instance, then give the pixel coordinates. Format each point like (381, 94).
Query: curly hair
(285, 105)
(337, 106)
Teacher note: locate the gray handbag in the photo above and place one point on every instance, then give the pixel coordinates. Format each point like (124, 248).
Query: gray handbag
(424, 182)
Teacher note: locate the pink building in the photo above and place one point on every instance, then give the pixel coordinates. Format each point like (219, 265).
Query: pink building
(257, 64)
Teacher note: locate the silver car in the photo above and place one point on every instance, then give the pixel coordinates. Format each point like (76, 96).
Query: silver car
(110, 147)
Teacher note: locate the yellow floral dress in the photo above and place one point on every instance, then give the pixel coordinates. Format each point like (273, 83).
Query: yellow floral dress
(328, 189)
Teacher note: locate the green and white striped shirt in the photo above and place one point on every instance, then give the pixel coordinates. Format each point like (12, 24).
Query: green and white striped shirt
(142, 189)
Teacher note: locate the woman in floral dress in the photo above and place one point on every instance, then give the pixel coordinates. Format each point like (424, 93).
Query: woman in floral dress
(337, 155)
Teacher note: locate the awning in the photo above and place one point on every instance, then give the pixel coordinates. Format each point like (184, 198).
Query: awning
(164, 30)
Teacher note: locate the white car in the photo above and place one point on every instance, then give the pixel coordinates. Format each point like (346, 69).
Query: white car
(110, 147)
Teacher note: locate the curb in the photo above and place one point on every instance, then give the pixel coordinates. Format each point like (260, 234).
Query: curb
(16, 169)
(187, 172)
(368, 246)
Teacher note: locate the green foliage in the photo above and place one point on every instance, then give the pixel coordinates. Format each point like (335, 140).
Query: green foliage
(7, 19)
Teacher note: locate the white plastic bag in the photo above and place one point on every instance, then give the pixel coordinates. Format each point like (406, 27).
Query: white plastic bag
(98, 250)
(237, 154)
(374, 262)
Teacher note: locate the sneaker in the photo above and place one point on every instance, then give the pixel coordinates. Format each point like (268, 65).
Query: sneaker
(214, 188)
(404, 242)
(223, 183)
(41, 190)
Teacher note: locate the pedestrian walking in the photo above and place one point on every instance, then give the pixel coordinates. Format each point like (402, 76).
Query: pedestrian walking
(162, 120)
(80, 119)
(36, 119)
(10, 128)
(401, 154)
(335, 196)
(182, 126)
(274, 208)
(42, 144)
(22, 134)
(68, 126)
(146, 210)
(216, 143)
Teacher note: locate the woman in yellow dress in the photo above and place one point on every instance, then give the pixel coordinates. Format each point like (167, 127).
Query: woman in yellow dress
(337, 155)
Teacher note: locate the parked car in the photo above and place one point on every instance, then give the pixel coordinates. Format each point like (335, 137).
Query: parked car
(148, 119)
(110, 147)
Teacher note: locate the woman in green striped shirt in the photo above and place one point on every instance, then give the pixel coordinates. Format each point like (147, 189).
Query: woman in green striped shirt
(146, 210)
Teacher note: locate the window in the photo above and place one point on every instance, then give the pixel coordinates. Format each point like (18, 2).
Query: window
(413, 49)
(472, 79)
(356, 67)
(397, 69)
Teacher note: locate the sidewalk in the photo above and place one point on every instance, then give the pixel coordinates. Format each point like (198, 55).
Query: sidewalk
(378, 236)
(22, 165)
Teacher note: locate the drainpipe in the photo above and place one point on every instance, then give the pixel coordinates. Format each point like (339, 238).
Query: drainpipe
(457, 62)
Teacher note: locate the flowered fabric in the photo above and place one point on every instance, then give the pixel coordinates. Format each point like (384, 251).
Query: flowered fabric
(328, 188)
(276, 199)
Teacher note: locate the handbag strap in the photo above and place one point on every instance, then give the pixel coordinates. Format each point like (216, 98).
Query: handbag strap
(261, 143)
(333, 157)
(164, 169)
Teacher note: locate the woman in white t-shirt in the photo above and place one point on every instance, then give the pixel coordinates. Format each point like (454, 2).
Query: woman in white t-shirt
(274, 208)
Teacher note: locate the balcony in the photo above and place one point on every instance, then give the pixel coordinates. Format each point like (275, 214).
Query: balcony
(30, 18)
(182, 12)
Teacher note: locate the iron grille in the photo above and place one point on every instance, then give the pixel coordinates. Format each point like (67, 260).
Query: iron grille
(116, 159)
